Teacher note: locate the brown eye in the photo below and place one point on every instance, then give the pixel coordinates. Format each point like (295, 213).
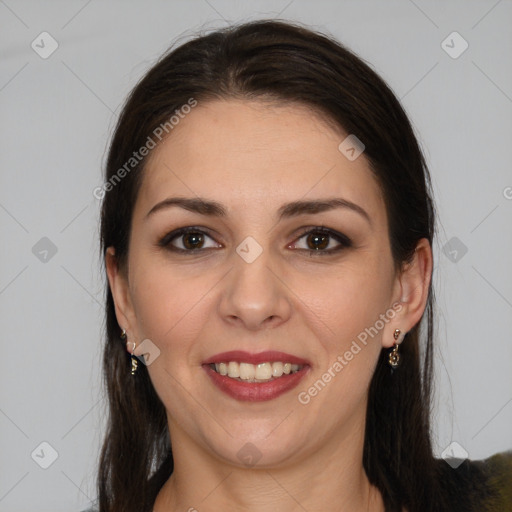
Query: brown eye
(317, 242)
(318, 239)
(191, 240)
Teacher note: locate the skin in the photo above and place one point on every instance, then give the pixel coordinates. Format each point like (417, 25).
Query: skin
(253, 157)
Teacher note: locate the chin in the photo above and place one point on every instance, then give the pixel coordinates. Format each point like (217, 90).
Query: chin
(256, 448)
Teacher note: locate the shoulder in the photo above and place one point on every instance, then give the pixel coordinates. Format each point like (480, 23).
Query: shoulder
(498, 470)
(477, 485)
(495, 473)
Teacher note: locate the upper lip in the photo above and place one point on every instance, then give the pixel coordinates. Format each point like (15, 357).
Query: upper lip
(261, 357)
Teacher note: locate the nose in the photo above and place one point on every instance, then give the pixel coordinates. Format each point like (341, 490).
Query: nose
(255, 295)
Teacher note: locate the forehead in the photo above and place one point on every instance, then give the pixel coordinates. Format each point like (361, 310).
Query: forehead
(242, 153)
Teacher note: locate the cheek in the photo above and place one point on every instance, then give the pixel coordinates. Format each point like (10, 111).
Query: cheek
(170, 306)
(346, 301)
(348, 331)
(171, 310)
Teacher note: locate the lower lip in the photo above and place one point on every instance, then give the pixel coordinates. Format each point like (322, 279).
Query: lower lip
(256, 391)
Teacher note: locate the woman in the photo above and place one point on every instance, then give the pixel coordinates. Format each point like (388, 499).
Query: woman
(267, 225)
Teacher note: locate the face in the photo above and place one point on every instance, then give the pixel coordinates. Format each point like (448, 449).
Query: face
(310, 290)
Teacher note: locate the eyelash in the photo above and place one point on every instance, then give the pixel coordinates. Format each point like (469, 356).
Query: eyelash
(343, 240)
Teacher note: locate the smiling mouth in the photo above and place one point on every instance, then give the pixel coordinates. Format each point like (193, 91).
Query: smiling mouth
(262, 372)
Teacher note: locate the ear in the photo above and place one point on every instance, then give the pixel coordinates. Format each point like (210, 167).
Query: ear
(118, 282)
(411, 293)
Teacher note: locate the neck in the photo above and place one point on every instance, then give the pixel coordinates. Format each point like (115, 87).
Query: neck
(332, 478)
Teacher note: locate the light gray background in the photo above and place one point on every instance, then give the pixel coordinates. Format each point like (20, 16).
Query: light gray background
(56, 118)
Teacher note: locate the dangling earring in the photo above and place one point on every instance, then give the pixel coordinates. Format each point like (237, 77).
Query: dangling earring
(134, 361)
(394, 356)
(133, 358)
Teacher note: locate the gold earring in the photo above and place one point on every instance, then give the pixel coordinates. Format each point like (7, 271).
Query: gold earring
(135, 362)
(394, 356)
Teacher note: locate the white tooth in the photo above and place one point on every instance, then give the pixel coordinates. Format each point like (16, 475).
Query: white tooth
(277, 369)
(263, 371)
(295, 367)
(223, 369)
(233, 369)
(247, 371)
(217, 367)
(287, 368)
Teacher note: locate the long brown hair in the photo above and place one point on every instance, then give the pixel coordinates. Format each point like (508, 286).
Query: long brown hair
(279, 61)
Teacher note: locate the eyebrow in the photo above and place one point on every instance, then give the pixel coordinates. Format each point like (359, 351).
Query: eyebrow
(288, 210)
